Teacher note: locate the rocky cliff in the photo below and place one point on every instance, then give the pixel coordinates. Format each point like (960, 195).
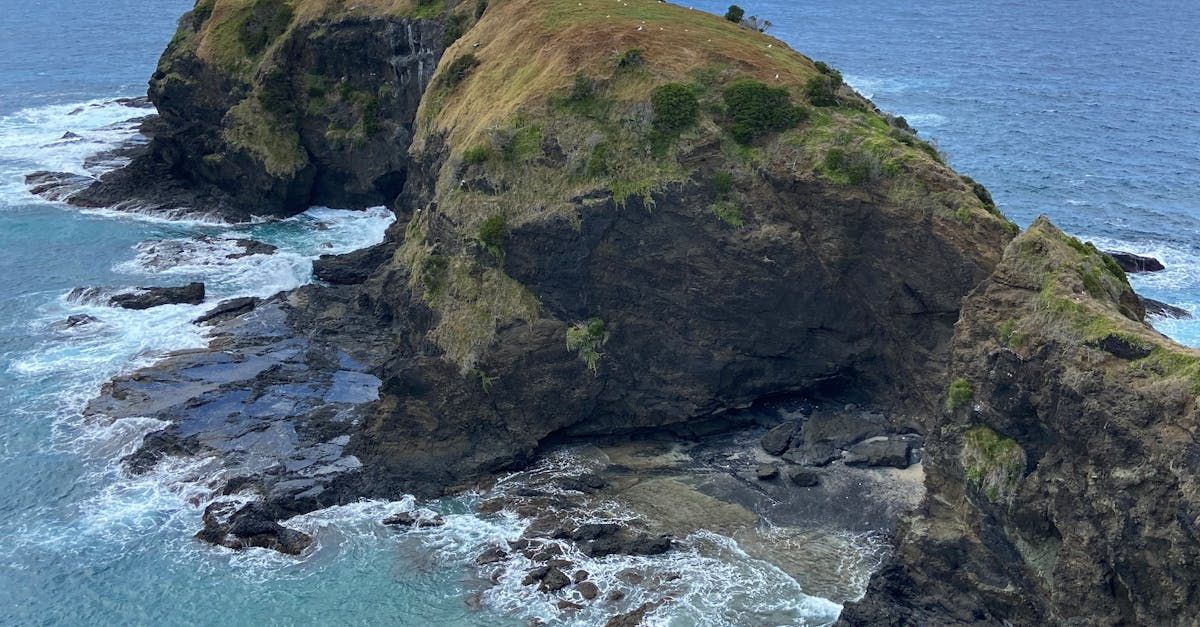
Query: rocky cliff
(269, 107)
(1062, 471)
(633, 216)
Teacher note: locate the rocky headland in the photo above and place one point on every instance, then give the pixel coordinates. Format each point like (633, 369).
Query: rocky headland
(642, 221)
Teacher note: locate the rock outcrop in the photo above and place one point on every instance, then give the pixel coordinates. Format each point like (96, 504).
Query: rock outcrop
(268, 108)
(1062, 474)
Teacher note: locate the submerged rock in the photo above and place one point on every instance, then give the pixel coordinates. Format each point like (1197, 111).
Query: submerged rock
(79, 319)
(415, 520)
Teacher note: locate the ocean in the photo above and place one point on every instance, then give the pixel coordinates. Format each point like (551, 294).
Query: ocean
(1086, 111)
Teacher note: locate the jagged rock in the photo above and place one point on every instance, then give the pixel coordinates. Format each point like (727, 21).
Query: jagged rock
(75, 320)
(230, 308)
(351, 268)
(414, 520)
(580, 575)
(252, 247)
(554, 580)
(1132, 263)
(777, 440)
(147, 297)
(803, 477)
(56, 186)
(491, 556)
(1164, 310)
(894, 453)
(568, 606)
(634, 618)
(250, 526)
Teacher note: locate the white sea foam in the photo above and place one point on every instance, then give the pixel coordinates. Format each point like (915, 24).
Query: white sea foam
(32, 139)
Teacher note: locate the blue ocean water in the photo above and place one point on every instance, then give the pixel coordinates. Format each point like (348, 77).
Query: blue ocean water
(1088, 111)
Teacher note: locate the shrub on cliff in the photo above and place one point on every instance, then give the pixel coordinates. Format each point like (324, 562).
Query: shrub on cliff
(735, 14)
(822, 90)
(675, 107)
(267, 20)
(631, 58)
(756, 109)
(459, 69)
(586, 339)
(492, 232)
(852, 166)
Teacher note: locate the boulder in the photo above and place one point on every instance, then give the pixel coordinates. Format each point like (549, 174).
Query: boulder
(804, 477)
(588, 590)
(765, 472)
(1132, 263)
(147, 297)
(491, 556)
(252, 247)
(554, 580)
(777, 440)
(79, 319)
(894, 453)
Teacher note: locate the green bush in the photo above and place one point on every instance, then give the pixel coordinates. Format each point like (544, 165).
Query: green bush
(735, 14)
(275, 95)
(630, 59)
(456, 25)
(492, 232)
(728, 212)
(598, 163)
(980, 192)
(675, 107)
(722, 183)
(958, 394)
(822, 89)
(477, 155)
(459, 69)
(201, 13)
(857, 167)
(268, 19)
(586, 339)
(756, 109)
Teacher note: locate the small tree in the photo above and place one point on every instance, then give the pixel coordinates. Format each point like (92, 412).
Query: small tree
(735, 14)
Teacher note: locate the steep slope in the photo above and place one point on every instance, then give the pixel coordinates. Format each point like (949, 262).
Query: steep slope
(1062, 474)
(270, 106)
(632, 215)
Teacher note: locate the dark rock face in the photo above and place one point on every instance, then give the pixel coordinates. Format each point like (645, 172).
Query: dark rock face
(895, 453)
(278, 140)
(779, 438)
(1132, 263)
(351, 268)
(804, 477)
(1066, 492)
(227, 309)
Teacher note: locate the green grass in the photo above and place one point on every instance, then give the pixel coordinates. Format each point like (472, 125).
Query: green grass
(492, 233)
(958, 394)
(993, 464)
(586, 339)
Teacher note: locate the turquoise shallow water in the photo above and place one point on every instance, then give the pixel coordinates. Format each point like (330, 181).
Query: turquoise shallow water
(1086, 111)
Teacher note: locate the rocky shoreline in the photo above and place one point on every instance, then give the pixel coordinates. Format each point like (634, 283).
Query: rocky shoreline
(653, 282)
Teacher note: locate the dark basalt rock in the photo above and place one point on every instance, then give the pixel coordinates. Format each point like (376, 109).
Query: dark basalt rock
(230, 308)
(1164, 310)
(588, 590)
(778, 439)
(250, 526)
(79, 319)
(414, 520)
(352, 268)
(1123, 347)
(56, 186)
(554, 580)
(252, 247)
(634, 618)
(765, 472)
(803, 477)
(147, 297)
(1132, 263)
(894, 453)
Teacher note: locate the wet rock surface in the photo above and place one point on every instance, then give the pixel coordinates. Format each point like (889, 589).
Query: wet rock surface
(141, 297)
(1164, 310)
(251, 525)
